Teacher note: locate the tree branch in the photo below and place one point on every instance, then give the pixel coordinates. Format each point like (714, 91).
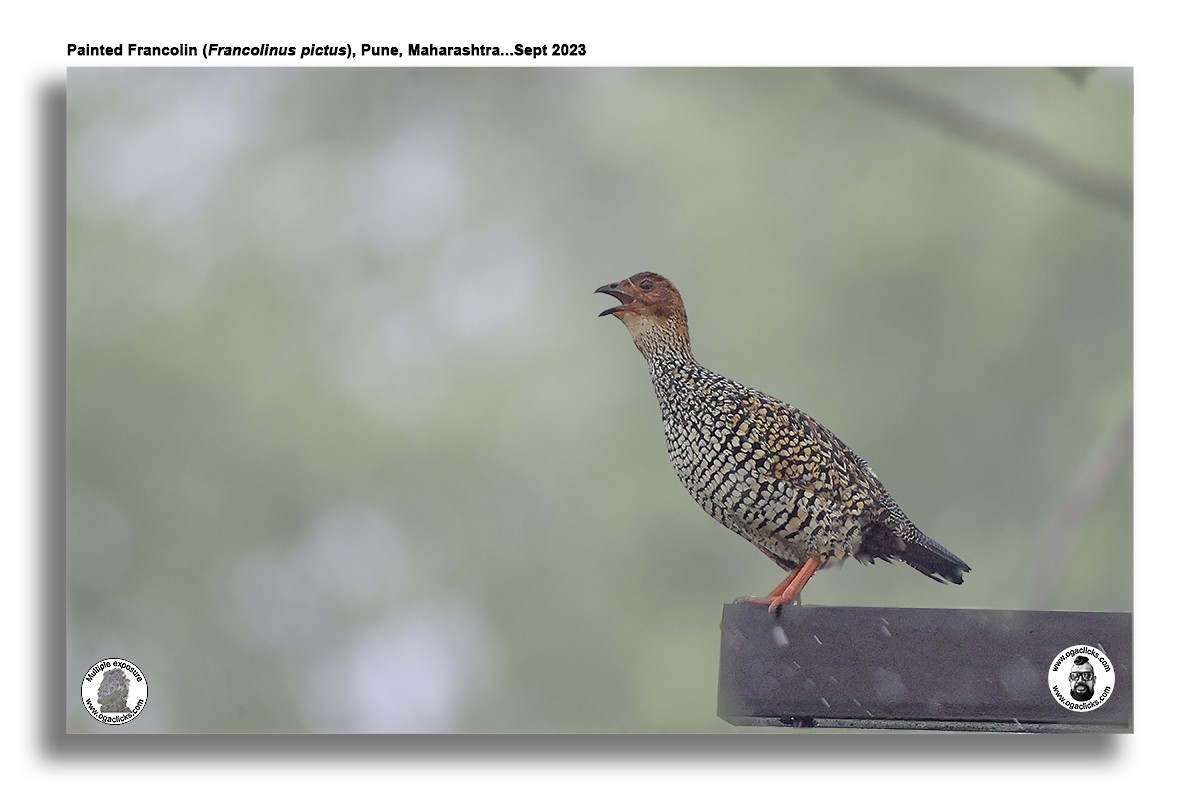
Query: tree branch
(953, 118)
(1059, 540)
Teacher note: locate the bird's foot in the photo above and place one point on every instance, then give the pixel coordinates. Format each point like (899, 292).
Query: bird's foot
(773, 602)
(788, 589)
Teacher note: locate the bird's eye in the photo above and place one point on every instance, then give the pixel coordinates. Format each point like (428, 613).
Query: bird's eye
(646, 285)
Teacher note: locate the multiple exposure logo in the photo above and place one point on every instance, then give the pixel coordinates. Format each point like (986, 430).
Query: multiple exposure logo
(1081, 678)
(114, 691)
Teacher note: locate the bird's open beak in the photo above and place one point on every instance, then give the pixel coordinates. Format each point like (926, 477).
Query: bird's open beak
(611, 290)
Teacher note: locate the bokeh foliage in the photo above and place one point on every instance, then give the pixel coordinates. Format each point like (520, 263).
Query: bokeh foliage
(349, 450)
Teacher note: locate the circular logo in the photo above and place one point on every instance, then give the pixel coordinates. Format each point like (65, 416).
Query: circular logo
(1081, 678)
(114, 691)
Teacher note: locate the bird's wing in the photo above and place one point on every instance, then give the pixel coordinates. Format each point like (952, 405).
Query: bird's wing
(803, 452)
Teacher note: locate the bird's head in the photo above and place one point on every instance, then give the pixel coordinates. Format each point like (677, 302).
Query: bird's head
(652, 310)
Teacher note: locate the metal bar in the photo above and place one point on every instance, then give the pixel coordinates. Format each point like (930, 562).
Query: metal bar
(918, 668)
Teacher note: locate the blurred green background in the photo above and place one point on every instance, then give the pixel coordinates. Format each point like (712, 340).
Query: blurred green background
(349, 450)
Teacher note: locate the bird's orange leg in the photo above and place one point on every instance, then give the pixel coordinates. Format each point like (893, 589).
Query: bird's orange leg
(778, 590)
(797, 583)
(787, 590)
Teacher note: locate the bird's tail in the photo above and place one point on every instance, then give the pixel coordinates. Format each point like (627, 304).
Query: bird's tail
(927, 556)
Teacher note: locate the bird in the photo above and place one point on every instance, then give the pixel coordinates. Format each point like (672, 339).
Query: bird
(761, 467)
